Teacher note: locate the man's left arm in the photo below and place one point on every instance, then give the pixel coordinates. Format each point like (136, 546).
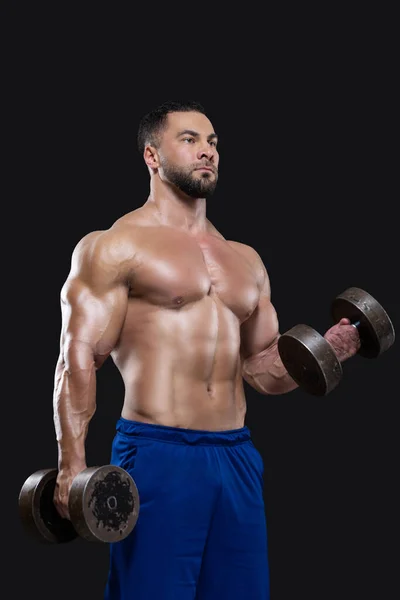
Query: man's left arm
(262, 366)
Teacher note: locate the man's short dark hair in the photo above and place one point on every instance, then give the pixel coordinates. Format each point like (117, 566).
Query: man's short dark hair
(152, 124)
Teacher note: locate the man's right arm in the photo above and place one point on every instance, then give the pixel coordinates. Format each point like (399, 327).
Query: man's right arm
(94, 301)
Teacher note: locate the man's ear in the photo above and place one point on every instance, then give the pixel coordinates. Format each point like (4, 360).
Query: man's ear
(151, 157)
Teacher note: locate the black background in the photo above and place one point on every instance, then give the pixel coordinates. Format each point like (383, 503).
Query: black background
(309, 159)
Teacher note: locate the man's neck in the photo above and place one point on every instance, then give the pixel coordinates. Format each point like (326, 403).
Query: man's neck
(177, 210)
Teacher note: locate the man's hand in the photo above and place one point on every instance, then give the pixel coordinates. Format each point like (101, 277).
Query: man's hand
(344, 338)
(62, 489)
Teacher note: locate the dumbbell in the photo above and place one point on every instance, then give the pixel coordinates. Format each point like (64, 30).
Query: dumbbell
(103, 506)
(311, 360)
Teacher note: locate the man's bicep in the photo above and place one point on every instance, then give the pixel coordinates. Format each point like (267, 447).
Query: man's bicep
(261, 329)
(91, 321)
(94, 298)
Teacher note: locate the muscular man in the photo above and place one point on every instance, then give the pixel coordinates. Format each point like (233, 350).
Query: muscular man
(186, 315)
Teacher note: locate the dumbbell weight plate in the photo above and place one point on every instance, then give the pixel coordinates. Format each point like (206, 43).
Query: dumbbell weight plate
(38, 514)
(375, 327)
(104, 503)
(310, 360)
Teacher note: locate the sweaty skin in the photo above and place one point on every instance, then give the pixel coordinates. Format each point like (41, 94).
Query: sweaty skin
(185, 314)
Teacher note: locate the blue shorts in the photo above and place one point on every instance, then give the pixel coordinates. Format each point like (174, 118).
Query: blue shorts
(201, 532)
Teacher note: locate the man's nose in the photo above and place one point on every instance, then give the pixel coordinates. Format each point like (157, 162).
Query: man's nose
(207, 152)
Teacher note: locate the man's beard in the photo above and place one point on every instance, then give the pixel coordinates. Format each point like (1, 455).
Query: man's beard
(201, 187)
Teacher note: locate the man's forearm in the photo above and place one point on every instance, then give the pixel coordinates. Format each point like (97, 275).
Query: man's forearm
(74, 406)
(266, 373)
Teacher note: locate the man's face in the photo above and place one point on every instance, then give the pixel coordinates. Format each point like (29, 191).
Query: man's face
(188, 154)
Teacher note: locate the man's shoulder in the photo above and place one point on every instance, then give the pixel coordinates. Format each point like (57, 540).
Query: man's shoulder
(248, 251)
(105, 246)
(245, 249)
(139, 217)
(123, 228)
(254, 259)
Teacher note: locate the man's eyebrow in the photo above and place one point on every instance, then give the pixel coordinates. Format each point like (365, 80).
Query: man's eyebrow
(196, 134)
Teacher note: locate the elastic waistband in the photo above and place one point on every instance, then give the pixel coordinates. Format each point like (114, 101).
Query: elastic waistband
(179, 435)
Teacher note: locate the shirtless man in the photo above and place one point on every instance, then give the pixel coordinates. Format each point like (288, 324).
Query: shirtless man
(186, 315)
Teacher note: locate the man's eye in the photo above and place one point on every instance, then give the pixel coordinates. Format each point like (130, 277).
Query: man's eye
(213, 143)
(188, 139)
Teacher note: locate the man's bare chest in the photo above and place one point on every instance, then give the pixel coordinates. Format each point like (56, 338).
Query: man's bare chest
(175, 269)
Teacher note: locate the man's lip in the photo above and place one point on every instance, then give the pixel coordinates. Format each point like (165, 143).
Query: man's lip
(204, 169)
